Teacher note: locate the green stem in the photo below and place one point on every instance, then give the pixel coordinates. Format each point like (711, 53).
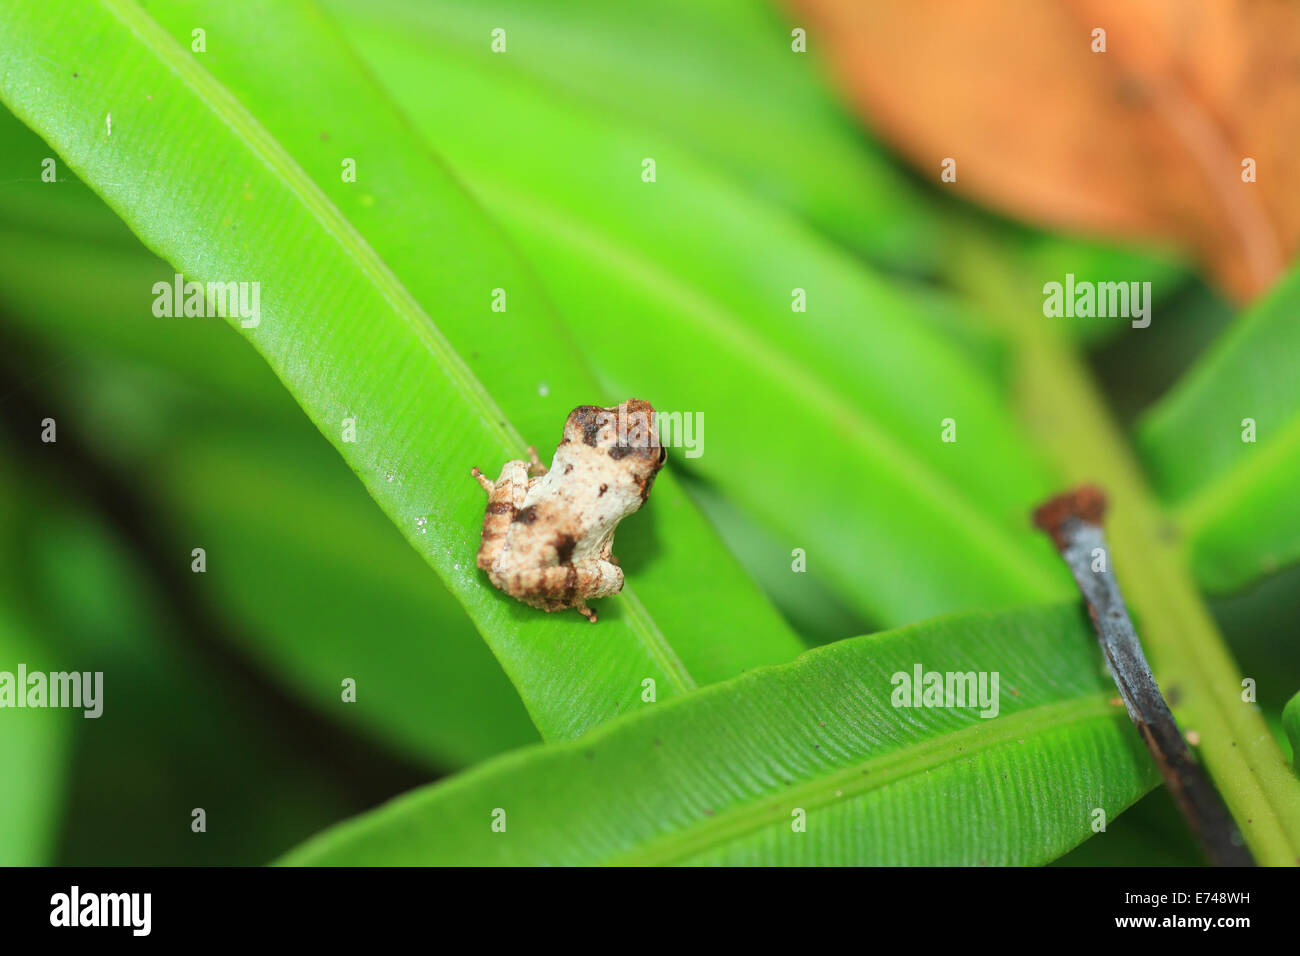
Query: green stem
(1063, 408)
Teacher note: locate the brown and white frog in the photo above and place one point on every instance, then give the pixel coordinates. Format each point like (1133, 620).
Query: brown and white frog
(548, 534)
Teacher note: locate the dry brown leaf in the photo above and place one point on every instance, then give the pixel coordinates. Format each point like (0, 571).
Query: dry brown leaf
(1145, 140)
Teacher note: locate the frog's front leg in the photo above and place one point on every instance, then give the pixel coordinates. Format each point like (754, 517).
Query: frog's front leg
(535, 466)
(536, 470)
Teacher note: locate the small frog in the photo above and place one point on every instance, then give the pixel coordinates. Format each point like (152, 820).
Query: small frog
(548, 534)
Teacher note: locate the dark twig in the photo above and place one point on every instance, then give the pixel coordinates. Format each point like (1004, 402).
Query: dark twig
(1074, 522)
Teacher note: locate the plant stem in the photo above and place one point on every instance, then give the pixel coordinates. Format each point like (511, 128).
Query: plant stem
(1063, 409)
(1074, 522)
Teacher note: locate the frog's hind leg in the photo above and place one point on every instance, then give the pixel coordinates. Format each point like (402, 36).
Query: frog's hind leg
(505, 498)
(562, 586)
(605, 579)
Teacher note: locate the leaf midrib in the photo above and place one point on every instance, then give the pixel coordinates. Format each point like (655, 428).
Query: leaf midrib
(863, 776)
(332, 221)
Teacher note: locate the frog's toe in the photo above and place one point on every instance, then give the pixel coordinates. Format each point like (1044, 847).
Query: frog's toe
(482, 480)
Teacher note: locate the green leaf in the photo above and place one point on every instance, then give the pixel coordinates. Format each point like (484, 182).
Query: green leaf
(34, 746)
(283, 531)
(1150, 833)
(937, 525)
(1291, 724)
(106, 317)
(717, 777)
(805, 598)
(179, 726)
(683, 72)
(230, 464)
(1232, 499)
(1036, 258)
(375, 306)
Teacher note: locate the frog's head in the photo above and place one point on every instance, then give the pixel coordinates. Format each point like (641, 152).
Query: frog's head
(625, 433)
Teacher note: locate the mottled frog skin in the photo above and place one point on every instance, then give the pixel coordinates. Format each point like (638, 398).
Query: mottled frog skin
(548, 535)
